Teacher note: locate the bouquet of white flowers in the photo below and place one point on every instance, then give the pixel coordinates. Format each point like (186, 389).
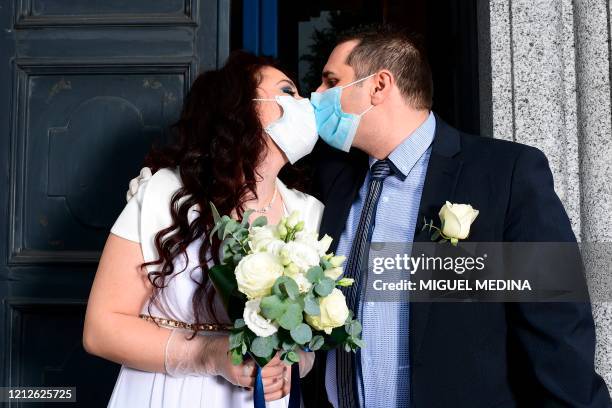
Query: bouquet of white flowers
(280, 288)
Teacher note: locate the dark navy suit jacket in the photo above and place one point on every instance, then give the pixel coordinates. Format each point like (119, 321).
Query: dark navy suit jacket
(479, 354)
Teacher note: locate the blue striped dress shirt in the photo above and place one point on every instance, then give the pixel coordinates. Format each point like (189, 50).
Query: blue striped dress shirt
(385, 366)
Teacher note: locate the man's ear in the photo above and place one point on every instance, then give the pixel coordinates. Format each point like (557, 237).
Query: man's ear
(383, 84)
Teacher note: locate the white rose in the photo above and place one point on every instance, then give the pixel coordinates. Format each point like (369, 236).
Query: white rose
(256, 322)
(311, 239)
(302, 255)
(334, 312)
(261, 237)
(256, 274)
(306, 237)
(457, 219)
(274, 247)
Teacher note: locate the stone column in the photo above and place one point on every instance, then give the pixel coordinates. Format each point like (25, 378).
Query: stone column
(545, 74)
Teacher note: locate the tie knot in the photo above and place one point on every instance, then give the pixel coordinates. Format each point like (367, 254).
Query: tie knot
(381, 169)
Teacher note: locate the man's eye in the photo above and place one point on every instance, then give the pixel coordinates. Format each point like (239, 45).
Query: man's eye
(332, 82)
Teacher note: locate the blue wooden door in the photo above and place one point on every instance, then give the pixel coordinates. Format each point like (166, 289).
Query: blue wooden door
(85, 86)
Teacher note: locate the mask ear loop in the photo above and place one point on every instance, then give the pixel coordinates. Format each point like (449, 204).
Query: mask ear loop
(269, 100)
(366, 111)
(359, 80)
(354, 82)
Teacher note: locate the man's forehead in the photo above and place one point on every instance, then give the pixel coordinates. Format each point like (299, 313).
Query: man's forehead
(336, 63)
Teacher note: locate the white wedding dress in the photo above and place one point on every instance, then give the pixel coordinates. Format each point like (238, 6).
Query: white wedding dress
(147, 212)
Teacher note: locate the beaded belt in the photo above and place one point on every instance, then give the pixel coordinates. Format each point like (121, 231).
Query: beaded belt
(191, 326)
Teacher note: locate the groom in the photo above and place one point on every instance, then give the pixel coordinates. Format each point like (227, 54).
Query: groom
(404, 164)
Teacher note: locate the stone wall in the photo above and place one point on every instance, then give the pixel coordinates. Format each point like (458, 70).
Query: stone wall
(545, 81)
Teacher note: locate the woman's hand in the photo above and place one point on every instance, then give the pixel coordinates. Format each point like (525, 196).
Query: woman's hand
(276, 377)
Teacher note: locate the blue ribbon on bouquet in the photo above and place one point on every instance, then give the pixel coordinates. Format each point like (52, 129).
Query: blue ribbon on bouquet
(259, 400)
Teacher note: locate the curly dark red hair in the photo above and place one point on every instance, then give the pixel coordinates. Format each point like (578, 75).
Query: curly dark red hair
(217, 144)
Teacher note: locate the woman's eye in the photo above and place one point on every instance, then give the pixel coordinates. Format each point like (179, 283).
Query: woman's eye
(289, 91)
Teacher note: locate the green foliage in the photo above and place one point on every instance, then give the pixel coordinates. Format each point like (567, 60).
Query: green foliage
(302, 333)
(260, 221)
(325, 286)
(285, 306)
(292, 317)
(311, 304)
(314, 274)
(286, 287)
(264, 347)
(316, 342)
(272, 307)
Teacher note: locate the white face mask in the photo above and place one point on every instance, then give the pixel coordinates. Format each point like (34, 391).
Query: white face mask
(295, 132)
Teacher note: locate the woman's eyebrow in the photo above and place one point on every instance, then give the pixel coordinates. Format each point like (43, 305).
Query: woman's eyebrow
(290, 82)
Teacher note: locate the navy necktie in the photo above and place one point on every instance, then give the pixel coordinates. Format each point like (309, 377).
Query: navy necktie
(346, 378)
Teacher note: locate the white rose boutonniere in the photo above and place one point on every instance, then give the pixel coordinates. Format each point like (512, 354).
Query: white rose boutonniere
(456, 220)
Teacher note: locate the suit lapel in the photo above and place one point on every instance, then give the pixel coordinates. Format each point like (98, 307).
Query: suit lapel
(443, 172)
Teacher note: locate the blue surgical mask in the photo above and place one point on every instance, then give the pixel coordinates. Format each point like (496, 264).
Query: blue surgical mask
(336, 127)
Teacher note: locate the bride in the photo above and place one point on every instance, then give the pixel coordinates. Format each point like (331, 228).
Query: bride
(152, 308)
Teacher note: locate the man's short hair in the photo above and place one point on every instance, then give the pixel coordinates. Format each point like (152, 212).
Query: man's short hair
(386, 47)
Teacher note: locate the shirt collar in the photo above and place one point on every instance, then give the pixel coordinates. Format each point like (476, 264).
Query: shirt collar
(407, 154)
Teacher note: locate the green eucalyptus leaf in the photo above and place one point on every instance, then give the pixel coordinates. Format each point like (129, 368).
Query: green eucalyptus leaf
(215, 212)
(241, 234)
(285, 286)
(326, 264)
(245, 218)
(325, 286)
(311, 305)
(236, 246)
(358, 342)
(272, 307)
(262, 347)
(236, 339)
(239, 324)
(288, 345)
(314, 274)
(236, 258)
(293, 357)
(230, 227)
(292, 317)
(302, 333)
(353, 328)
(316, 342)
(213, 231)
(259, 221)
